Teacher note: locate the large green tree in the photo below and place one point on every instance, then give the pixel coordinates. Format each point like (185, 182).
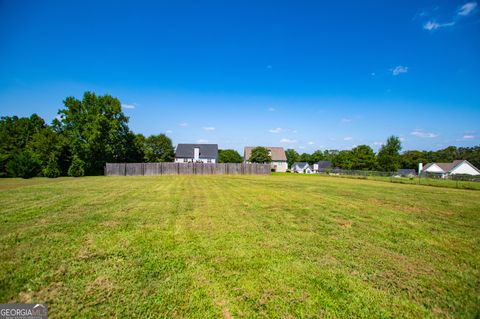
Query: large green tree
(344, 159)
(16, 134)
(96, 130)
(410, 159)
(389, 154)
(260, 155)
(158, 148)
(305, 157)
(25, 164)
(292, 156)
(363, 158)
(317, 156)
(329, 155)
(45, 143)
(229, 156)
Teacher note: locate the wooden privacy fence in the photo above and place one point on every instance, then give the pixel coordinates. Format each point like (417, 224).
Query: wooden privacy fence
(152, 169)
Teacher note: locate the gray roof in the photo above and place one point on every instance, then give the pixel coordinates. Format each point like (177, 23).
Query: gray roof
(406, 171)
(324, 164)
(206, 150)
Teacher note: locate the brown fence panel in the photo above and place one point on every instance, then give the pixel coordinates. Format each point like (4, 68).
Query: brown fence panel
(235, 169)
(220, 168)
(134, 169)
(153, 169)
(169, 168)
(115, 169)
(185, 169)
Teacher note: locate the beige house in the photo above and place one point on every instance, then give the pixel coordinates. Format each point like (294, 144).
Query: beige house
(279, 158)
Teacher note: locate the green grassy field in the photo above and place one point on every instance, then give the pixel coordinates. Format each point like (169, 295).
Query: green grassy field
(239, 246)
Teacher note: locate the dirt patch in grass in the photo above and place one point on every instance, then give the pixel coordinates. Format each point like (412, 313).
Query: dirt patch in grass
(86, 250)
(343, 222)
(45, 295)
(110, 223)
(101, 284)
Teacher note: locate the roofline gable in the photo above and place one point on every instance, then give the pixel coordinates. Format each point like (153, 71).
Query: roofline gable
(464, 161)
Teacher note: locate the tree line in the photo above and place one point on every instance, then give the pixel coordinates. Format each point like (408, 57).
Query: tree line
(90, 132)
(389, 158)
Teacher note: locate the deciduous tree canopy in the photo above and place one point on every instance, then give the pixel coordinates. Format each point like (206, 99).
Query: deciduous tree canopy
(229, 156)
(158, 148)
(260, 155)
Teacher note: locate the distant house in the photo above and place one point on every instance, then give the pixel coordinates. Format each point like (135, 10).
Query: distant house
(446, 169)
(406, 172)
(279, 159)
(301, 167)
(196, 153)
(322, 166)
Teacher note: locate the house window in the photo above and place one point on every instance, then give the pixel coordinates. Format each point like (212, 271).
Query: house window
(185, 160)
(209, 160)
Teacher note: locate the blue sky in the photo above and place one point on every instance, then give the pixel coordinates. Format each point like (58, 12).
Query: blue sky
(300, 74)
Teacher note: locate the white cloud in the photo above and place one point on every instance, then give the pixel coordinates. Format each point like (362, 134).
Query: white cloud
(128, 106)
(378, 143)
(288, 141)
(295, 131)
(271, 109)
(432, 25)
(468, 137)
(209, 128)
(421, 133)
(399, 69)
(402, 139)
(301, 147)
(348, 138)
(345, 120)
(311, 143)
(467, 8)
(200, 141)
(183, 124)
(276, 130)
(168, 131)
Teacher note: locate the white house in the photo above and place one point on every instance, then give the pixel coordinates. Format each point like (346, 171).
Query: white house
(279, 158)
(446, 169)
(302, 168)
(196, 153)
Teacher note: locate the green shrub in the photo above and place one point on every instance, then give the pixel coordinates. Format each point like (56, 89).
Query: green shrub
(76, 169)
(24, 165)
(52, 170)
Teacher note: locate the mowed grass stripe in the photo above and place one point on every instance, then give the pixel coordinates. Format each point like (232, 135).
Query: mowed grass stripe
(292, 258)
(241, 246)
